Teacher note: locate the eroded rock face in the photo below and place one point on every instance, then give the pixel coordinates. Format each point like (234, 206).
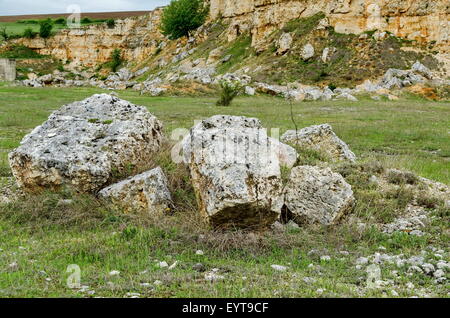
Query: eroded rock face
(85, 143)
(315, 195)
(235, 172)
(420, 20)
(320, 138)
(145, 192)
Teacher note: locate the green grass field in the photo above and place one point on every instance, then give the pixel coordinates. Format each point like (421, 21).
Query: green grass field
(39, 239)
(17, 29)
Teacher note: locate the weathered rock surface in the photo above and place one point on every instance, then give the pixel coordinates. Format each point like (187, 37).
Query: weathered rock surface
(84, 143)
(284, 43)
(235, 171)
(315, 195)
(145, 192)
(320, 138)
(422, 20)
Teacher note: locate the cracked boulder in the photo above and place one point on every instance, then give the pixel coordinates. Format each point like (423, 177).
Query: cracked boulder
(315, 195)
(322, 139)
(235, 172)
(146, 192)
(85, 144)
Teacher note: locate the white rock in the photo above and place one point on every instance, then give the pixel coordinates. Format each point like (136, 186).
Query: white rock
(235, 172)
(284, 43)
(250, 91)
(362, 261)
(307, 52)
(320, 138)
(145, 192)
(315, 195)
(213, 276)
(439, 273)
(199, 252)
(114, 273)
(428, 268)
(325, 258)
(163, 265)
(279, 268)
(95, 138)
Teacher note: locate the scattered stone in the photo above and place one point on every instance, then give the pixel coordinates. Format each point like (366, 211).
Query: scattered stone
(163, 265)
(320, 138)
(307, 52)
(279, 268)
(199, 252)
(114, 273)
(428, 268)
(315, 195)
(213, 277)
(84, 143)
(362, 261)
(250, 91)
(284, 43)
(439, 273)
(171, 267)
(325, 258)
(147, 192)
(199, 267)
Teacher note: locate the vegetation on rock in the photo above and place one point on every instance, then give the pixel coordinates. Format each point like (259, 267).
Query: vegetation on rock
(45, 29)
(181, 17)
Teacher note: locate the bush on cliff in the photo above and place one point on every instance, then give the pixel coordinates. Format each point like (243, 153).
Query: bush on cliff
(181, 17)
(116, 60)
(46, 27)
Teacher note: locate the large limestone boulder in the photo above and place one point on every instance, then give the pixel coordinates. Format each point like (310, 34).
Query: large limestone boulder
(320, 138)
(145, 192)
(85, 143)
(235, 172)
(315, 195)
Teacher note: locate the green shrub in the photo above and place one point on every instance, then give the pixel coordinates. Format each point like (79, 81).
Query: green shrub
(4, 34)
(111, 23)
(229, 90)
(46, 27)
(181, 17)
(116, 59)
(29, 33)
(86, 21)
(20, 52)
(60, 21)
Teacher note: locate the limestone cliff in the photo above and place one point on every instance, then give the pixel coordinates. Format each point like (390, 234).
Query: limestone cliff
(419, 20)
(137, 38)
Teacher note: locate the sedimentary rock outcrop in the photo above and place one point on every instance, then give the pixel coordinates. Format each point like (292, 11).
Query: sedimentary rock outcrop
(145, 192)
(422, 20)
(84, 144)
(137, 37)
(315, 195)
(235, 172)
(320, 138)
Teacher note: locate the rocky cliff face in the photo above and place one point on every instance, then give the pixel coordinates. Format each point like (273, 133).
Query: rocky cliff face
(136, 37)
(419, 20)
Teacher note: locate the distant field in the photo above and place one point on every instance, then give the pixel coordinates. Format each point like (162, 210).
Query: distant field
(15, 25)
(91, 15)
(14, 28)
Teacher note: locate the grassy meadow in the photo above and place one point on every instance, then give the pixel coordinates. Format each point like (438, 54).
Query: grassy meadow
(39, 238)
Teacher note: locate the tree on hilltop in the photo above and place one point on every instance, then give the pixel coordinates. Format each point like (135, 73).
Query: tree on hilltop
(181, 17)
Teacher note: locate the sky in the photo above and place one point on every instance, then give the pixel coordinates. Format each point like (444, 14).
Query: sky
(19, 7)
